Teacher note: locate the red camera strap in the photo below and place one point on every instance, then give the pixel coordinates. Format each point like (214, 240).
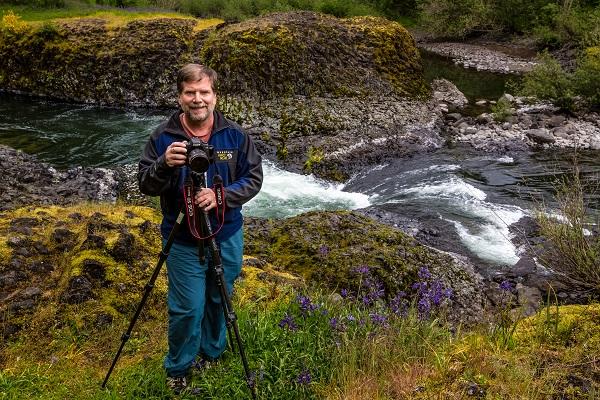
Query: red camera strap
(190, 208)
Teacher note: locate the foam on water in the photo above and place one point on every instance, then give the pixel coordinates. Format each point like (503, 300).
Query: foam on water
(482, 226)
(286, 194)
(451, 186)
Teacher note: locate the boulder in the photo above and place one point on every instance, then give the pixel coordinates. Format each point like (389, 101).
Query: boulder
(327, 248)
(134, 63)
(541, 136)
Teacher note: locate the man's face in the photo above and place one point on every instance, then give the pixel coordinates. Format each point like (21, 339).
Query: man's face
(197, 100)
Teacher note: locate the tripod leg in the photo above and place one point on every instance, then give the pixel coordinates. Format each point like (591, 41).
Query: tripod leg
(230, 316)
(149, 286)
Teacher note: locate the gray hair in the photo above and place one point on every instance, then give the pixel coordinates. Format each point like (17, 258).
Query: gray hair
(195, 73)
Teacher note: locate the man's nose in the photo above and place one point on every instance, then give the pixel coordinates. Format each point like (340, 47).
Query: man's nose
(197, 97)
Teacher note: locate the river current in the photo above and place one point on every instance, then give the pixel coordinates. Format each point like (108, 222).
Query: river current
(479, 195)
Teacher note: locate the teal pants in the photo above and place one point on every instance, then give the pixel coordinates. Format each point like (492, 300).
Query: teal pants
(196, 319)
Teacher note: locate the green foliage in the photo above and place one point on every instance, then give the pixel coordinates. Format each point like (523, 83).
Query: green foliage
(574, 249)
(502, 110)
(455, 18)
(579, 89)
(548, 81)
(586, 78)
(516, 15)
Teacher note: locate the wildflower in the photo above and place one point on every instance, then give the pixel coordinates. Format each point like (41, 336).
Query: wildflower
(448, 292)
(350, 318)
(324, 250)
(378, 319)
(254, 377)
(304, 378)
(399, 304)
(420, 287)
(336, 324)
(306, 305)
(375, 288)
(288, 322)
(345, 293)
(424, 273)
(424, 307)
(363, 269)
(506, 286)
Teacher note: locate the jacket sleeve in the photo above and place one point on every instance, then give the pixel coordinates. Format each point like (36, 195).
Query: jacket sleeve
(154, 174)
(249, 175)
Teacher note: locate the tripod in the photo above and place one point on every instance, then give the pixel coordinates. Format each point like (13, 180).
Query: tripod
(230, 316)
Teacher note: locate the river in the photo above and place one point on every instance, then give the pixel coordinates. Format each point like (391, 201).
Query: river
(479, 195)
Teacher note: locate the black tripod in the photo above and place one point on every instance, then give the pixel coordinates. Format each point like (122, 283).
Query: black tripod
(230, 316)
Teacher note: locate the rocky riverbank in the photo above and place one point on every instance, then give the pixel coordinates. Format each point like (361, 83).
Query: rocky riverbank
(26, 180)
(488, 57)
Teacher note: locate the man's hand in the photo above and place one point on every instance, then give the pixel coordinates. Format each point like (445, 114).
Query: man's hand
(205, 199)
(176, 154)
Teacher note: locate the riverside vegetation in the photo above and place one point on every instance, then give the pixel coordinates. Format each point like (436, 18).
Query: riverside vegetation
(85, 267)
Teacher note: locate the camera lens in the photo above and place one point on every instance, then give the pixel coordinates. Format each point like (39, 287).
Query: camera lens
(198, 161)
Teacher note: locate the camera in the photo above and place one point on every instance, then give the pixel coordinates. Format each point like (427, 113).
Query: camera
(199, 155)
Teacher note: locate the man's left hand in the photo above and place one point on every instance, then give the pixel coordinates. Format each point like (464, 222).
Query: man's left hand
(205, 199)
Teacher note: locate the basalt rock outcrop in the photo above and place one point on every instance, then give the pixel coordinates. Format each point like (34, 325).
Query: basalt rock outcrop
(330, 247)
(320, 94)
(26, 180)
(98, 61)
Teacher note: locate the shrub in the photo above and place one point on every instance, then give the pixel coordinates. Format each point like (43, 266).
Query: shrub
(586, 78)
(548, 81)
(574, 249)
(502, 110)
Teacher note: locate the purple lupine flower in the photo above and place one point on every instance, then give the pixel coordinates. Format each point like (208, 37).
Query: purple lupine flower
(420, 287)
(424, 307)
(306, 305)
(350, 318)
(448, 292)
(363, 269)
(366, 300)
(399, 304)
(375, 288)
(436, 293)
(334, 323)
(254, 377)
(424, 273)
(506, 286)
(323, 250)
(344, 293)
(304, 378)
(378, 319)
(288, 323)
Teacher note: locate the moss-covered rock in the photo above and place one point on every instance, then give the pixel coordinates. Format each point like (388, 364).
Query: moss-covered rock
(327, 248)
(312, 54)
(134, 62)
(46, 261)
(89, 60)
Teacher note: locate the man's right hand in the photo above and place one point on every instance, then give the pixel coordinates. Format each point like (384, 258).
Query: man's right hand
(176, 154)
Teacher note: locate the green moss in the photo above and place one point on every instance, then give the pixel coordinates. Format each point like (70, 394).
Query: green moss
(315, 55)
(116, 286)
(315, 156)
(326, 247)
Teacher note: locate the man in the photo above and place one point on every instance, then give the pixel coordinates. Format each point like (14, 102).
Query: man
(196, 320)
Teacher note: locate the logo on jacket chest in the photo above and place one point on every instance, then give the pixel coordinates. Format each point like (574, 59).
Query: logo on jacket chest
(225, 155)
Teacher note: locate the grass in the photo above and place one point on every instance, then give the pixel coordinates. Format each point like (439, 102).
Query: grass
(232, 10)
(77, 10)
(313, 344)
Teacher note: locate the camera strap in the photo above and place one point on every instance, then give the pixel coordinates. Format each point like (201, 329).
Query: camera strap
(190, 207)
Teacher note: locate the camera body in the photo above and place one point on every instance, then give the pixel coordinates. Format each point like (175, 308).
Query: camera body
(199, 155)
